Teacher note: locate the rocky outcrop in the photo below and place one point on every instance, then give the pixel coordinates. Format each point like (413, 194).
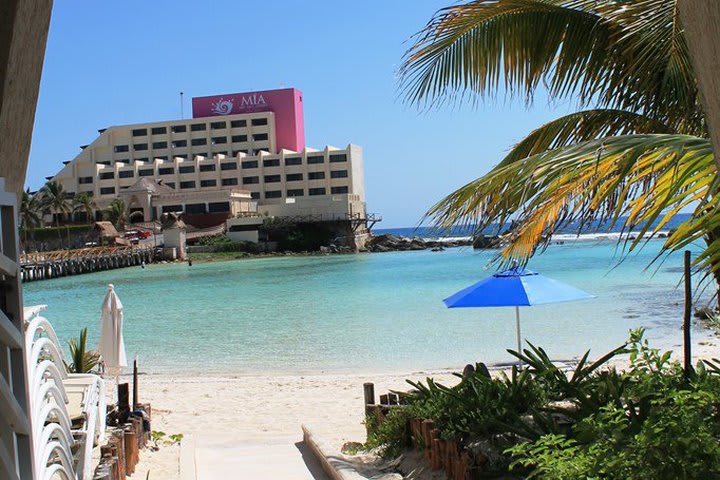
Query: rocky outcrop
(393, 243)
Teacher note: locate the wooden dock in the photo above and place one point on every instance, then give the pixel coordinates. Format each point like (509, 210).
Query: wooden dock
(61, 263)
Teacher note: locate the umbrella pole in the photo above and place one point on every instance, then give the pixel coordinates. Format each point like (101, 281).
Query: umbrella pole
(517, 325)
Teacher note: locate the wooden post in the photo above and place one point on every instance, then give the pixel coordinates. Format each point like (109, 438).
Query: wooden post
(384, 399)
(135, 385)
(369, 393)
(123, 403)
(687, 318)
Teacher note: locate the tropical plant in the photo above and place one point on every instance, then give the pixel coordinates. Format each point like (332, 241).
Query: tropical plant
(117, 213)
(84, 202)
(632, 157)
(30, 213)
(56, 200)
(82, 360)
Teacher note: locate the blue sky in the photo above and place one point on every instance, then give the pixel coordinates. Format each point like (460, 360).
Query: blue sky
(117, 62)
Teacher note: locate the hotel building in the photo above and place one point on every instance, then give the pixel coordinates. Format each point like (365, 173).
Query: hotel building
(239, 153)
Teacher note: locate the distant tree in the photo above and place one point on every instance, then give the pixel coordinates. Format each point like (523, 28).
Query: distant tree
(84, 202)
(55, 200)
(30, 213)
(117, 214)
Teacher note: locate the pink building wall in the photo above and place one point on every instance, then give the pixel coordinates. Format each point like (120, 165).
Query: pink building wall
(285, 103)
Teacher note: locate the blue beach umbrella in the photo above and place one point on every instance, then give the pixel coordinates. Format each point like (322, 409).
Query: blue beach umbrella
(516, 287)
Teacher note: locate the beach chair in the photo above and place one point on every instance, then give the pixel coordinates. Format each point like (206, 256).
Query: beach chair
(67, 410)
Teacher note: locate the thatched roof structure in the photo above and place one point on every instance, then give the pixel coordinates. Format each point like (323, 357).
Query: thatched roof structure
(106, 229)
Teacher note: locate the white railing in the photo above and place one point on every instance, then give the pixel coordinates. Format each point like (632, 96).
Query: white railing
(57, 398)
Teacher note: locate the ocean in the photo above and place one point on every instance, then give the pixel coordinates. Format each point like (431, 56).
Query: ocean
(380, 312)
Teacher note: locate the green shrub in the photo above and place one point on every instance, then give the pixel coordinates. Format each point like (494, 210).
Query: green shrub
(52, 233)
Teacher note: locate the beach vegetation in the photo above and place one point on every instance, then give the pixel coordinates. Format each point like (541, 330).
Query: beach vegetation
(82, 360)
(293, 236)
(648, 421)
(160, 438)
(30, 214)
(55, 200)
(634, 154)
(84, 202)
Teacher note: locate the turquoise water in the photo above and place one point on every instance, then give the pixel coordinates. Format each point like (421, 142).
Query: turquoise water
(366, 312)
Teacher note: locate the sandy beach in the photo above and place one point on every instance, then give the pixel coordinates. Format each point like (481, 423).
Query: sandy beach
(269, 410)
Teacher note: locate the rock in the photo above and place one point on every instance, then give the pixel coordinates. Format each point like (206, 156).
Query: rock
(482, 242)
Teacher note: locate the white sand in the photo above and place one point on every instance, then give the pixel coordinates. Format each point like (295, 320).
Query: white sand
(255, 410)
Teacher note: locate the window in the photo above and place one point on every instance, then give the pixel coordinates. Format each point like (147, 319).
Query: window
(315, 159)
(294, 177)
(159, 130)
(217, 125)
(143, 159)
(189, 184)
(197, 127)
(238, 123)
(201, 154)
(255, 195)
(181, 155)
(239, 138)
(250, 164)
(316, 175)
(338, 158)
(228, 166)
(198, 141)
(259, 150)
(126, 161)
(316, 191)
(121, 148)
(272, 178)
(85, 180)
(208, 183)
(227, 182)
(187, 169)
(219, 207)
(178, 129)
(126, 174)
(293, 160)
(259, 121)
(219, 140)
(338, 190)
(139, 132)
(207, 168)
(194, 208)
(107, 190)
(159, 144)
(107, 175)
(166, 171)
(172, 208)
(299, 192)
(146, 172)
(251, 180)
(338, 174)
(272, 162)
(235, 152)
(170, 184)
(273, 194)
(104, 162)
(138, 147)
(161, 157)
(259, 137)
(179, 143)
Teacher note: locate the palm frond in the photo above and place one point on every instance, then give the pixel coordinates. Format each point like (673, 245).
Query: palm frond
(616, 54)
(637, 182)
(580, 127)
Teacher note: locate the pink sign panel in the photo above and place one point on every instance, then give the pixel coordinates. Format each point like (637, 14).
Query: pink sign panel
(286, 104)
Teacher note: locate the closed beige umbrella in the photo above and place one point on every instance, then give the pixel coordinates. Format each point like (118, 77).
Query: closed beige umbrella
(112, 344)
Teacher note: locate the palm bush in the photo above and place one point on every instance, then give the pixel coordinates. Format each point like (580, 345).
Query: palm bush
(82, 360)
(647, 422)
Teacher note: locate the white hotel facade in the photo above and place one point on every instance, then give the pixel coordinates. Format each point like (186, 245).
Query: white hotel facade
(221, 163)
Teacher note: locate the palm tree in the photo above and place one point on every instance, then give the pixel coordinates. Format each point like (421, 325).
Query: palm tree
(30, 213)
(634, 155)
(117, 214)
(84, 202)
(55, 200)
(82, 359)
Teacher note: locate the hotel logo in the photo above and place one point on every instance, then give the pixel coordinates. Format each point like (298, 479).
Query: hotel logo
(247, 102)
